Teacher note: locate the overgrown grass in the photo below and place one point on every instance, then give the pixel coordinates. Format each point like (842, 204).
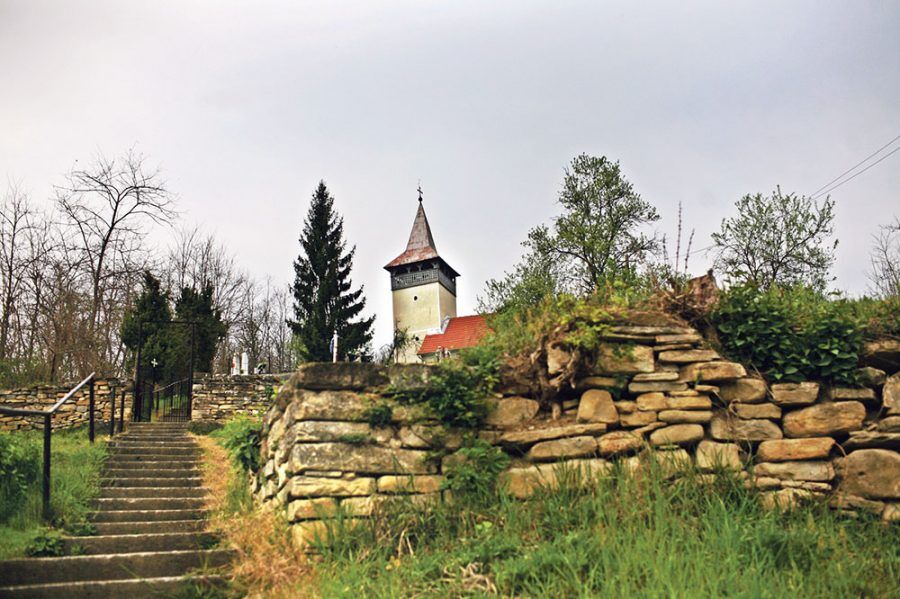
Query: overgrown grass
(267, 564)
(75, 483)
(620, 536)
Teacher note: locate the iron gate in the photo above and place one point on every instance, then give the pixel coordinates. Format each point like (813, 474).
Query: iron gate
(164, 371)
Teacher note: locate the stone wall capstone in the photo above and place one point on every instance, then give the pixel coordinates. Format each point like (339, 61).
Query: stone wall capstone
(662, 395)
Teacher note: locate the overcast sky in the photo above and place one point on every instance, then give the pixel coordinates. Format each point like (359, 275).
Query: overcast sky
(246, 105)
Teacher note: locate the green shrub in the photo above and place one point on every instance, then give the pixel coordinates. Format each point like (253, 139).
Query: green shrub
(379, 415)
(241, 436)
(458, 387)
(473, 478)
(791, 334)
(20, 468)
(46, 543)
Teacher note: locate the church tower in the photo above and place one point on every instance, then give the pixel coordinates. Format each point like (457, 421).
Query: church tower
(423, 287)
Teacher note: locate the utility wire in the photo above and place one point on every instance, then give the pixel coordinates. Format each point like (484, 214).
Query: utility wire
(852, 168)
(703, 249)
(828, 187)
(848, 179)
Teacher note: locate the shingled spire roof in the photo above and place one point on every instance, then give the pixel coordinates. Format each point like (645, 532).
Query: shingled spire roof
(421, 242)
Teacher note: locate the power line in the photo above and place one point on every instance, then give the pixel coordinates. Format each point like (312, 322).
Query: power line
(852, 168)
(829, 187)
(848, 179)
(709, 247)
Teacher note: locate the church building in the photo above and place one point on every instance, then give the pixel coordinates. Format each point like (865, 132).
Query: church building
(423, 289)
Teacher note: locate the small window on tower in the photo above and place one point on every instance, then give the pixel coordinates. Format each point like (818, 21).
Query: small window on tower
(415, 298)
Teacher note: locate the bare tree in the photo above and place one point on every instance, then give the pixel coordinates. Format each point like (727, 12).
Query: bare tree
(108, 205)
(16, 222)
(885, 261)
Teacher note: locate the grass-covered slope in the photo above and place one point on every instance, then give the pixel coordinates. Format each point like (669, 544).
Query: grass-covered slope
(615, 537)
(74, 483)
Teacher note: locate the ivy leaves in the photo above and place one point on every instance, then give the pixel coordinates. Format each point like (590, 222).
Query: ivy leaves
(791, 334)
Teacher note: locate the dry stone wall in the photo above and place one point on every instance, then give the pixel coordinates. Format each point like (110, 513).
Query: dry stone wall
(216, 398)
(220, 397)
(651, 394)
(72, 413)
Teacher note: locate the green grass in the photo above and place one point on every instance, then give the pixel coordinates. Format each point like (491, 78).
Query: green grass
(74, 480)
(617, 537)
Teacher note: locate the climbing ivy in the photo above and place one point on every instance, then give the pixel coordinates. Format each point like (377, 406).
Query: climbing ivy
(791, 334)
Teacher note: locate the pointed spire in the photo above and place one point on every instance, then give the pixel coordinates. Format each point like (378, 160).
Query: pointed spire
(421, 244)
(420, 238)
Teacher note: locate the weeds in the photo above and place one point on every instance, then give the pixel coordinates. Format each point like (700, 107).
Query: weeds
(75, 483)
(267, 564)
(620, 535)
(241, 436)
(46, 543)
(379, 415)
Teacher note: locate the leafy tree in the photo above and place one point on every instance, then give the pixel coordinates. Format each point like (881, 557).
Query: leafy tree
(777, 240)
(197, 306)
(152, 310)
(323, 296)
(533, 278)
(597, 239)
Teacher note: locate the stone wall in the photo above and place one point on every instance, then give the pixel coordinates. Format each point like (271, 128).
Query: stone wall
(73, 413)
(222, 396)
(650, 391)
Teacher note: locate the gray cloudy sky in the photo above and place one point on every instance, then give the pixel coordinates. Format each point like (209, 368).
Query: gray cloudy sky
(246, 105)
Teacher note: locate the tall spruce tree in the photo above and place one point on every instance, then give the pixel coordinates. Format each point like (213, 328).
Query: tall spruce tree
(323, 296)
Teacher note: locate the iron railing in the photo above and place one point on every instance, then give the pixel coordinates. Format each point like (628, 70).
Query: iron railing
(48, 426)
(172, 403)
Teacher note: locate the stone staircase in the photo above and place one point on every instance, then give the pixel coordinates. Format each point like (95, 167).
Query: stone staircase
(149, 527)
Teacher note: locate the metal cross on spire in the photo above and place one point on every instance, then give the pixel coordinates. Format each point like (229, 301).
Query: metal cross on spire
(419, 189)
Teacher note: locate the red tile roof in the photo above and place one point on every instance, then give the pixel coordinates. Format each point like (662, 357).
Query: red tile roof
(461, 332)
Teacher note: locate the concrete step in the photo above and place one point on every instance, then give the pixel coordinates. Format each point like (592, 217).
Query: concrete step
(141, 542)
(143, 450)
(149, 503)
(158, 526)
(191, 456)
(156, 434)
(144, 471)
(146, 515)
(175, 464)
(132, 443)
(162, 586)
(152, 433)
(140, 480)
(152, 491)
(117, 566)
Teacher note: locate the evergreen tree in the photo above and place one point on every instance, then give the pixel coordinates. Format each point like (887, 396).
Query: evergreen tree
(151, 309)
(323, 296)
(197, 306)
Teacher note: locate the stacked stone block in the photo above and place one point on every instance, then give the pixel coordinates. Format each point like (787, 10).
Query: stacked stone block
(73, 413)
(648, 392)
(220, 397)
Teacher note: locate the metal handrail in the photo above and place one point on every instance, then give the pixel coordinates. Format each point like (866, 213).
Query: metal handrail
(179, 382)
(48, 428)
